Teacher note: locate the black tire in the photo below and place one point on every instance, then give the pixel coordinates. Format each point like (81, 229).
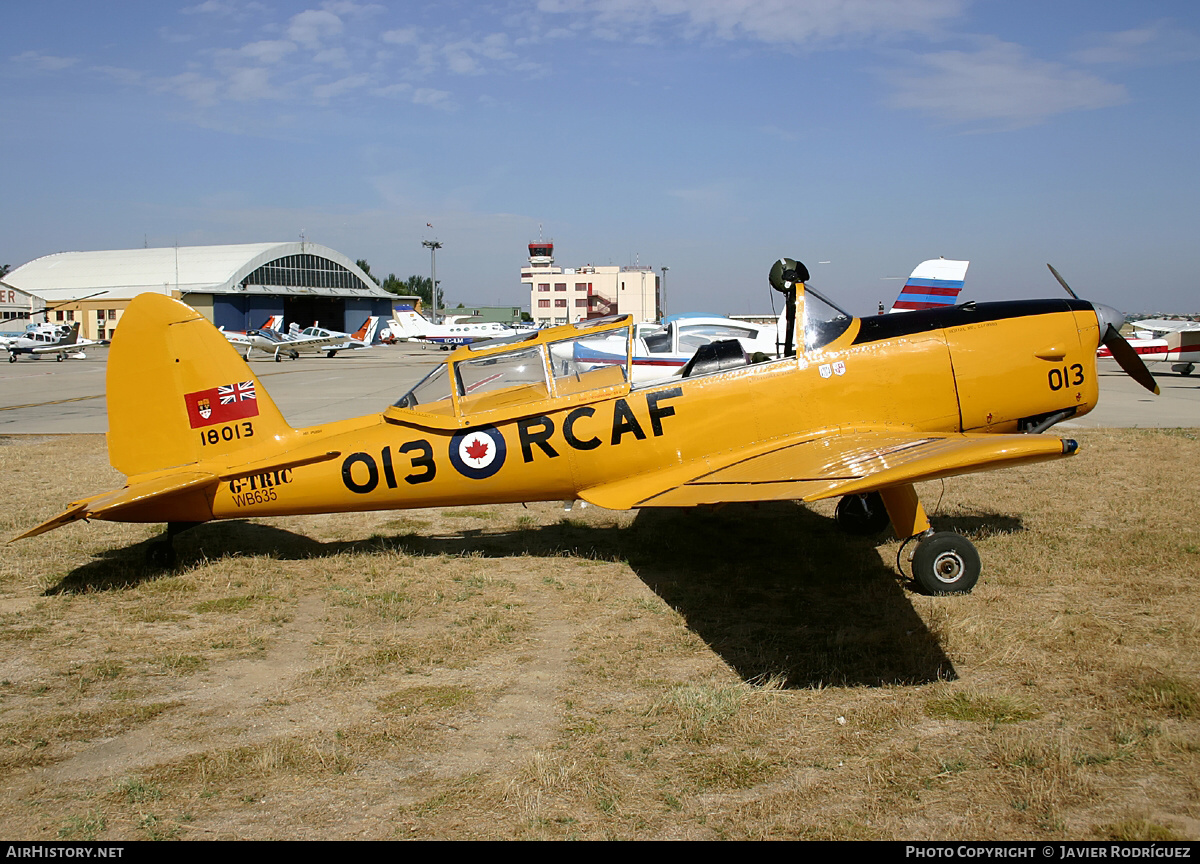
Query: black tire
(946, 563)
(278, 359)
(862, 515)
(60, 358)
(12, 358)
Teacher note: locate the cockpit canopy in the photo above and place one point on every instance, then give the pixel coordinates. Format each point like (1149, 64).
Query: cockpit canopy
(499, 374)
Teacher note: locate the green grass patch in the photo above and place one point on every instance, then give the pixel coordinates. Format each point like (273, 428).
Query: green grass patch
(414, 699)
(976, 708)
(230, 604)
(1167, 696)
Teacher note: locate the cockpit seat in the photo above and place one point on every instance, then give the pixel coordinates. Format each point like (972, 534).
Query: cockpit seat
(715, 357)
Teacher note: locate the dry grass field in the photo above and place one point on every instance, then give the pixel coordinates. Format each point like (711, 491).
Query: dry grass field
(513, 672)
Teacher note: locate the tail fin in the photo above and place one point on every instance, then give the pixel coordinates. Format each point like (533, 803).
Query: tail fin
(935, 283)
(72, 337)
(274, 322)
(179, 393)
(412, 323)
(366, 333)
(294, 329)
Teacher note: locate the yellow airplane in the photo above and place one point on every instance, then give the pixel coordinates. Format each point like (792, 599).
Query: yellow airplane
(856, 407)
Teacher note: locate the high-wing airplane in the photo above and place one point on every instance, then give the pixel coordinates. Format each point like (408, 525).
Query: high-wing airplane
(861, 408)
(59, 341)
(317, 340)
(410, 324)
(1171, 341)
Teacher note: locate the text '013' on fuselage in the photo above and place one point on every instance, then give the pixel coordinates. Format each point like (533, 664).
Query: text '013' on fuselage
(858, 407)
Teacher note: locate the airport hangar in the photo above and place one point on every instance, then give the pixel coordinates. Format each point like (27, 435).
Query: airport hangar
(236, 287)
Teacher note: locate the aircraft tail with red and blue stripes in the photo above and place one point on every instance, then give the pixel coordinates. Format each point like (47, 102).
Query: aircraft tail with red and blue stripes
(935, 283)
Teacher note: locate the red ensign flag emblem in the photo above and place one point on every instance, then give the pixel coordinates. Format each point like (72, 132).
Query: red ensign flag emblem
(221, 404)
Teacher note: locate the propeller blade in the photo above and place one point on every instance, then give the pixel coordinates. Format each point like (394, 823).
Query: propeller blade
(1129, 360)
(1062, 282)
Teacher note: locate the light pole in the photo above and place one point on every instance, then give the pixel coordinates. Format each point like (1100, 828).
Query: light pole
(433, 246)
(663, 311)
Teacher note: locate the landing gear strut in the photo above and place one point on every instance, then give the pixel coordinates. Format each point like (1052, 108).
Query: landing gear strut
(943, 563)
(161, 553)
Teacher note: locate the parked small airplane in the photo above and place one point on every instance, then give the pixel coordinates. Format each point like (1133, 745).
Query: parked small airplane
(661, 351)
(316, 340)
(1170, 341)
(410, 324)
(856, 407)
(58, 340)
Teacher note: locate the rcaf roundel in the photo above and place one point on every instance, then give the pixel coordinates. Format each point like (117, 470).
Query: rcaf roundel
(478, 453)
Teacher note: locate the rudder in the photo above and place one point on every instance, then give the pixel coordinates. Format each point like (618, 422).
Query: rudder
(179, 393)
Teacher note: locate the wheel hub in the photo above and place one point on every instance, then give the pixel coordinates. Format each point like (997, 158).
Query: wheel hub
(948, 567)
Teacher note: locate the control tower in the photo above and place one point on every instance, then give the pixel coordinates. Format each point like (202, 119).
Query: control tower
(541, 254)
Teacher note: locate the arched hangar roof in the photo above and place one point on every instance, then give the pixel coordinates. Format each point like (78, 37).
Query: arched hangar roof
(124, 273)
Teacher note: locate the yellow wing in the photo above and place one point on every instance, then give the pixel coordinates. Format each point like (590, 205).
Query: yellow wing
(825, 464)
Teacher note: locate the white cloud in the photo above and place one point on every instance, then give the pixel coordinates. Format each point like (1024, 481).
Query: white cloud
(432, 97)
(325, 92)
(43, 62)
(405, 36)
(193, 87)
(251, 85)
(269, 51)
(799, 22)
(999, 83)
(312, 27)
(347, 7)
(1157, 43)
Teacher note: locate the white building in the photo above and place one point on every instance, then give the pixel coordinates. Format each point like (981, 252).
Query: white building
(564, 296)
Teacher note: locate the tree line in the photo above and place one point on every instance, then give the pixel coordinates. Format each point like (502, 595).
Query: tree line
(413, 286)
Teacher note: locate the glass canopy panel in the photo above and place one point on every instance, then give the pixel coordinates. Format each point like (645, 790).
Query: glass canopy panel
(488, 383)
(585, 363)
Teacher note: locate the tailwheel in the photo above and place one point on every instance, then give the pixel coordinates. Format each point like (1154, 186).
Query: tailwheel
(946, 563)
(862, 515)
(161, 553)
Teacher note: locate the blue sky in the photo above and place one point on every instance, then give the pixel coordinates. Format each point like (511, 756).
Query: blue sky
(711, 136)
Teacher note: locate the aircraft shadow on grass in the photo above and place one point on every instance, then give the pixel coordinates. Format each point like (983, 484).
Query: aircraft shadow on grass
(775, 590)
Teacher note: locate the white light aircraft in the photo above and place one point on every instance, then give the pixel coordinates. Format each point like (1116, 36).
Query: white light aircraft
(1170, 341)
(316, 340)
(408, 323)
(57, 340)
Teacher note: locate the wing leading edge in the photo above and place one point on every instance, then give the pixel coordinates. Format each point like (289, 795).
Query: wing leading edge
(825, 465)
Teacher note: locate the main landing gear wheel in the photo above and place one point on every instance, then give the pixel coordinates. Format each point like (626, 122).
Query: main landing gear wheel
(60, 358)
(862, 515)
(946, 563)
(12, 358)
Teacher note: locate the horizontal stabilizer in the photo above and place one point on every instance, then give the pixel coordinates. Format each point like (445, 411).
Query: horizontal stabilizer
(151, 495)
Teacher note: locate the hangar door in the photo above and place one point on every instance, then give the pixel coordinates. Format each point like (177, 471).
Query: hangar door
(328, 312)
